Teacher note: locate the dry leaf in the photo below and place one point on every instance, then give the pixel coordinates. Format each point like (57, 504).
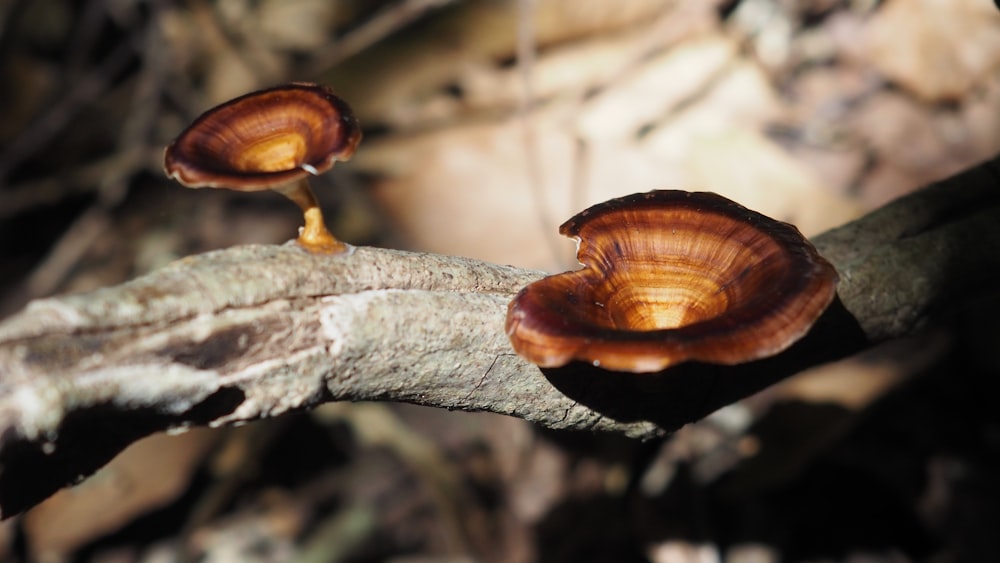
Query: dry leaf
(392, 82)
(468, 190)
(937, 49)
(653, 91)
(748, 168)
(296, 24)
(147, 475)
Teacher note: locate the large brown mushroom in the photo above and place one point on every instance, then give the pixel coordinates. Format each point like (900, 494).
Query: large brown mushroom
(672, 276)
(272, 139)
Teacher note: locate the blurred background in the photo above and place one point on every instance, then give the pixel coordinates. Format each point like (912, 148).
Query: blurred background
(487, 124)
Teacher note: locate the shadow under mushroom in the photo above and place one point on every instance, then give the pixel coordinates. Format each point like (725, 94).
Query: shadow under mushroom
(690, 391)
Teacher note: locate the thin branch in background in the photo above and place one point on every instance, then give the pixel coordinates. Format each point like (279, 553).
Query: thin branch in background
(145, 106)
(9, 14)
(578, 176)
(29, 194)
(666, 31)
(227, 477)
(112, 187)
(66, 253)
(85, 34)
(383, 24)
(663, 34)
(257, 59)
(526, 54)
(84, 92)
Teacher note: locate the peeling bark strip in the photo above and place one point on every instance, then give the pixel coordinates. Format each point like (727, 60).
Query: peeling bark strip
(256, 331)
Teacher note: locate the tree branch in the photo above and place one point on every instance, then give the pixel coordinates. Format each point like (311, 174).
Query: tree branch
(255, 331)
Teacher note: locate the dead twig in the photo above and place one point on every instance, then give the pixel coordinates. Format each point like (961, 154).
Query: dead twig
(257, 331)
(59, 113)
(112, 187)
(380, 26)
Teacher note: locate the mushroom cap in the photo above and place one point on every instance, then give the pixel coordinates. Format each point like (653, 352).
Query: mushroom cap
(264, 139)
(671, 276)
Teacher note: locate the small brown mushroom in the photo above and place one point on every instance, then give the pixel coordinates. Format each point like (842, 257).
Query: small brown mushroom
(672, 276)
(272, 139)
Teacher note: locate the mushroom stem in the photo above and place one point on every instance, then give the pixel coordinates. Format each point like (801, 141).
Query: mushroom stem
(314, 236)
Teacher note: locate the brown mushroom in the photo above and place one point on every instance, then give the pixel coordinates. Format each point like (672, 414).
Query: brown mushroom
(273, 139)
(672, 276)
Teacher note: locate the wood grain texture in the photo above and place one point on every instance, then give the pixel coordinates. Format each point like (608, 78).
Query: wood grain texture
(256, 331)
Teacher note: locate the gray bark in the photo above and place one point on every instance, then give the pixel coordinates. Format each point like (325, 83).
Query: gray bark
(256, 331)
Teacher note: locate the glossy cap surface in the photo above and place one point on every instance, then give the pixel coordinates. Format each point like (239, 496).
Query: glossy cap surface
(264, 139)
(671, 276)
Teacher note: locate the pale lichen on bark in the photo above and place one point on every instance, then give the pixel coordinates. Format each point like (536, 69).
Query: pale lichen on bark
(256, 331)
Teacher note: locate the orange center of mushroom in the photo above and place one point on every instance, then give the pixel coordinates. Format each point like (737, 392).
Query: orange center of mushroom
(284, 150)
(694, 272)
(682, 300)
